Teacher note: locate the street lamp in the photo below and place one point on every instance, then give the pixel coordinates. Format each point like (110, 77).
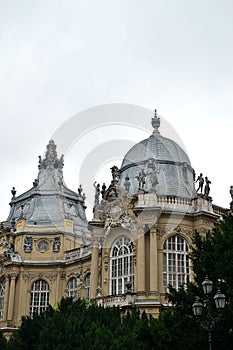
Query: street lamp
(207, 286)
(209, 322)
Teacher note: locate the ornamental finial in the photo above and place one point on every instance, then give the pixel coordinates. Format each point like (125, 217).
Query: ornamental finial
(51, 160)
(13, 192)
(155, 121)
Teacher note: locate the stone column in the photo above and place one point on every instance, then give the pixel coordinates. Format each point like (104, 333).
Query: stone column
(141, 264)
(58, 285)
(94, 268)
(153, 261)
(160, 270)
(6, 298)
(23, 307)
(11, 297)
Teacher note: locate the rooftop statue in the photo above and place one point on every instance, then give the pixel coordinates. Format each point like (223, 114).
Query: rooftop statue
(127, 183)
(153, 178)
(103, 189)
(141, 180)
(201, 180)
(207, 187)
(115, 173)
(97, 192)
(231, 193)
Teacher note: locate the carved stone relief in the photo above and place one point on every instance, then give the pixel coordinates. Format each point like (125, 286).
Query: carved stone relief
(56, 243)
(27, 244)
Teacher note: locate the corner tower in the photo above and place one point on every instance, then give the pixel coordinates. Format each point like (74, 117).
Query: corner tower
(44, 245)
(144, 224)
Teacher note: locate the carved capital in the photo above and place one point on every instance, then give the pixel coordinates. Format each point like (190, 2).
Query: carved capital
(13, 275)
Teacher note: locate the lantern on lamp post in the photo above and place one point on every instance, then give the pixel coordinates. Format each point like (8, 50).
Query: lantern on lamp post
(209, 321)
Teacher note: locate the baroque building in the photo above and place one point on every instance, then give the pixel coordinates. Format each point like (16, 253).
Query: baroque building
(136, 245)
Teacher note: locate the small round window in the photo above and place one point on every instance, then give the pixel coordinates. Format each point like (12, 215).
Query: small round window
(43, 245)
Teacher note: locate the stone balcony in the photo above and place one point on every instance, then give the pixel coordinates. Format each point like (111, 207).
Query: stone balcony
(77, 253)
(200, 203)
(121, 300)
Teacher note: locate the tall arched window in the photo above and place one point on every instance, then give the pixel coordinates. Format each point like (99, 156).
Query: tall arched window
(2, 297)
(87, 286)
(39, 297)
(176, 269)
(122, 265)
(72, 288)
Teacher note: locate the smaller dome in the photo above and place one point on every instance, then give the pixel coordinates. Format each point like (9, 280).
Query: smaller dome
(162, 163)
(49, 202)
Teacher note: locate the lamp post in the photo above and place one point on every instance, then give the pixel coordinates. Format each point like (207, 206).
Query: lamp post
(209, 322)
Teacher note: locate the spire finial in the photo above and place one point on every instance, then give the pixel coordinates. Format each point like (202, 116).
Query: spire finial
(155, 121)
(13, 192)
(51, 160)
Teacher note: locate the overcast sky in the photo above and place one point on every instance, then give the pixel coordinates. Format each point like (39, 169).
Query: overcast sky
(58, 58)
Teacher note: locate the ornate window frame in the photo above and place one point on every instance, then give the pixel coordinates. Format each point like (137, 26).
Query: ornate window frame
(72, 288)
(121, 265)
(87, 286)
(176, 266)
(39, 300)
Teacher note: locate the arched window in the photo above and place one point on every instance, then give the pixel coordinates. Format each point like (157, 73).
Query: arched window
(87, 286)
(176, 269)
(122, 265)
(72, 288)
(39, 297)
(2, 297)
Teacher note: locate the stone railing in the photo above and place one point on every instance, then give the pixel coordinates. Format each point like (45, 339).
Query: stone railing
(115, 300)
(200, 203)
(72, 254)
(76, 253)
(165, 202)
(219, 210)
(174, 201)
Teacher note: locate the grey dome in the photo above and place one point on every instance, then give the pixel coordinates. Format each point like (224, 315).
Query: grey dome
(171, 164)
(49, 202)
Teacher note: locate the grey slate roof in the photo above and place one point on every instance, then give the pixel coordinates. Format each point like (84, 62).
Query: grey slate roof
(49, 201)
(174, 171)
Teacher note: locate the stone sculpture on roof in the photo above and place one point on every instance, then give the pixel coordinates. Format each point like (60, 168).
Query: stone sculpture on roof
(200, 180)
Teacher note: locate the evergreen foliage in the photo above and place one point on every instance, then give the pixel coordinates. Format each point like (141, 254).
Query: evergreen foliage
(3, 342)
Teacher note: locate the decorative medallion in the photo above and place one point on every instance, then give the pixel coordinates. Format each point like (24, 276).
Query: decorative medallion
(43, 245)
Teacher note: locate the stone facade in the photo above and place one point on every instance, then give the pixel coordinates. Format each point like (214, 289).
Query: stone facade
(135, 246)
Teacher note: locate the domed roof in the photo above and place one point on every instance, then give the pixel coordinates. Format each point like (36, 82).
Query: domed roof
(49, 202)
(160, 158)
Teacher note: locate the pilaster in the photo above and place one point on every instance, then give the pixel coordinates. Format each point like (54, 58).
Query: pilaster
(141, 264)
(6, 301)
(11, 297)
(94, 268)
(153, 261)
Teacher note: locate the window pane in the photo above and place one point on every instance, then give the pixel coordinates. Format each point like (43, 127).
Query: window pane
(122, 265)
(72, 288)
(39, 297)
(87, 286)
(175, 262)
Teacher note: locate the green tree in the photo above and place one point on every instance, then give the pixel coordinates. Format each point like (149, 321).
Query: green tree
(3, 342)
(211, 255)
